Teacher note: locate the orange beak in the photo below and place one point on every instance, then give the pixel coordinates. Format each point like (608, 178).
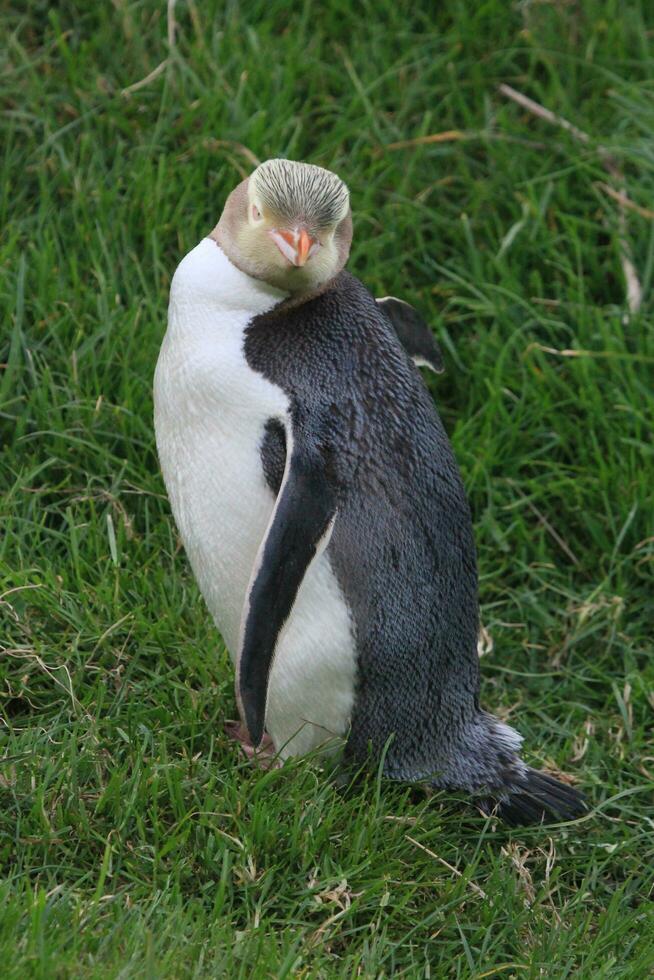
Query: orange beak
(304, 244)
(296, 245)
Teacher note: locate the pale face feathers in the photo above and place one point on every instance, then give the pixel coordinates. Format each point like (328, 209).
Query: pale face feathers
(288, 224)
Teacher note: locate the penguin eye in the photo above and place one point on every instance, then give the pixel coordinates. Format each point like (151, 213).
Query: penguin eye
(256, 213)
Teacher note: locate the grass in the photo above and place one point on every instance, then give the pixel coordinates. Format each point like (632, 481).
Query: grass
(134, 842)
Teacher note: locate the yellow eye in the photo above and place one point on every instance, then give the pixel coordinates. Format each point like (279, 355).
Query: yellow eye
(256, 213)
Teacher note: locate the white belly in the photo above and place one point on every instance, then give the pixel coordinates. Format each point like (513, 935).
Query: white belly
(210, 413)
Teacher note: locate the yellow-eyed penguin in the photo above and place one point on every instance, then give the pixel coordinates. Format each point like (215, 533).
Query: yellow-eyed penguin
(320, 504)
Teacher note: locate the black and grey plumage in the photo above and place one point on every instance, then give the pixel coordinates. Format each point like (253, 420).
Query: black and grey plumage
(402, 548)
(360, 616)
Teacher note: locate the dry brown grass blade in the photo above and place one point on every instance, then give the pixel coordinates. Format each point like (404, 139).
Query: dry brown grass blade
(171, 28)
(634, 288)
(625, 201)
(447, 136)
(450, 867)
(539, 110)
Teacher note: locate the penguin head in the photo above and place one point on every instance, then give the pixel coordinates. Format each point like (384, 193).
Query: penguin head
(288, 224)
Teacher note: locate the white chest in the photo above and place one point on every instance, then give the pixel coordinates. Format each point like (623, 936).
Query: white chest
(210, 412)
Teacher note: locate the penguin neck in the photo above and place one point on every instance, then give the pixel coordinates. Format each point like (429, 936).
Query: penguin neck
(293, 300)
(207, 284)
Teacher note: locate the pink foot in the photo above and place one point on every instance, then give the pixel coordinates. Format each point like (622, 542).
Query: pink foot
(264, 756)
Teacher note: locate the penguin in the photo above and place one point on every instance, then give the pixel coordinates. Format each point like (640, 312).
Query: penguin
(320, 504)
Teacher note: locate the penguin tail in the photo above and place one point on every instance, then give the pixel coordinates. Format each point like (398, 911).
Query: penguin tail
(537, 798)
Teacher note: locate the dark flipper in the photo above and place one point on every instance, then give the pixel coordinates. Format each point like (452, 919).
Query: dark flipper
(413, 332)
(303, 515)
(540, 799)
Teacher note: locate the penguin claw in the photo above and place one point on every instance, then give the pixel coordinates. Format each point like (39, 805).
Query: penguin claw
(264, 756)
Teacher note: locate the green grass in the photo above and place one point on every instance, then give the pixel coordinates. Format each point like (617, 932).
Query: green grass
(134, 842)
